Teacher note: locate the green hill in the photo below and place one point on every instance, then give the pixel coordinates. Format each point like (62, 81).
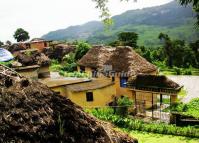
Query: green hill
(171, 18)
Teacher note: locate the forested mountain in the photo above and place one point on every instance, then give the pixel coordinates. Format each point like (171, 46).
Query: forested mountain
(173, 19)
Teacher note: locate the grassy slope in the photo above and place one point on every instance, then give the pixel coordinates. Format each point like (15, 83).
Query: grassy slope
(148, 35)
(144, 137)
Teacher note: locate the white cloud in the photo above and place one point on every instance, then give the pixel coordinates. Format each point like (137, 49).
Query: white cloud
(41, 16)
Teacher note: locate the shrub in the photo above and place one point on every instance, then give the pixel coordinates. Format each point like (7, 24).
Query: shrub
(124, 104)
(137, 124)
(187, 72)
(177, 70)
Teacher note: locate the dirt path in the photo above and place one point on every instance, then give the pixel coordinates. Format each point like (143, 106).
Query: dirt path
(191, 85)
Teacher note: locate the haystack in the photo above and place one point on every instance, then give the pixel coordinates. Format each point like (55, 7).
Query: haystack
(31, 112)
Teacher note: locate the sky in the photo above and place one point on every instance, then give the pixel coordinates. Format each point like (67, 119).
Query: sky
(39, 17)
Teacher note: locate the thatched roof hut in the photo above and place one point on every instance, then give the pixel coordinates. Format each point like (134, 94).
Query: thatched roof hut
(156, 82)
(96, 57)
(122, 59)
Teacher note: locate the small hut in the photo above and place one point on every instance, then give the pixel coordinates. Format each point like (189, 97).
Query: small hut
(149, 90)
(120, 64)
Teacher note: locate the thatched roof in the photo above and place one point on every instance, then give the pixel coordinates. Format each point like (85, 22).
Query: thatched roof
(95, 57)
(92, 85)
(122, 59)
(35, 40)
(153, 81)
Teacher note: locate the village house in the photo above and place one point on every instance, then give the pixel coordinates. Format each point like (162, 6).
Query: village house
(36, 43)
(118, 64)
(87, 93)
(31, 64)
(150, 90)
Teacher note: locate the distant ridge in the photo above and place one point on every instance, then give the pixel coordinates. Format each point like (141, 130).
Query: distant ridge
(171, 18)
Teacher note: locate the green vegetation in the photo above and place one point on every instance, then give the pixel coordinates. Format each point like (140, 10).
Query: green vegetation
(81, 49)
(6, 63)
(124, 104)
(21, 35)
(74, 74)
(68, 65)
(189, 109)
(177, 22)
(145, 137)
(179, 71)
(127, 39)
(130, 123)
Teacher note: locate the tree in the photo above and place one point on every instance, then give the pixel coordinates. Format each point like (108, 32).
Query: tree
(1, 43)
(128, 39)
(104, 10)
(21, 35)
(195, 4)
(195, 47)
(81, 49)
(167, 47)
(177, 52)
(8, 42)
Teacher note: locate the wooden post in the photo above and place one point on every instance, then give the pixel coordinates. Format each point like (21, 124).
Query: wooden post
(152, 105)
(135, 103)
(161, 99)
(160, 105)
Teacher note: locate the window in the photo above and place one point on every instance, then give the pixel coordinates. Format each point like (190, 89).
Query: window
(82, 69)
(45, 44)
(89, 96)
(113, 78)
(94, 74)
(123, 81)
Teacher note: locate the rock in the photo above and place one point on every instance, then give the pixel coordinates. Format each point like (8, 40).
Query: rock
(16, 64)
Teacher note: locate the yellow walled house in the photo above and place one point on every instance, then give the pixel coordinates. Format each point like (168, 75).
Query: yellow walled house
(119, 64)
(96, 93)
(86, 93)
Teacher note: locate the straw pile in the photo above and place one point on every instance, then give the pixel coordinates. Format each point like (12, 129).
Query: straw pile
(31, 112)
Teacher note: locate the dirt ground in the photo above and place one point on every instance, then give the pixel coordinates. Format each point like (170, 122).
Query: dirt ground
(31, 112)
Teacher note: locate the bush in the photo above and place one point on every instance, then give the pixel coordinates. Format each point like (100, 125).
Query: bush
(8, 64)
(187, 72)
(125, 103)
(81, 49)
(137, 124)
(177, 70)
